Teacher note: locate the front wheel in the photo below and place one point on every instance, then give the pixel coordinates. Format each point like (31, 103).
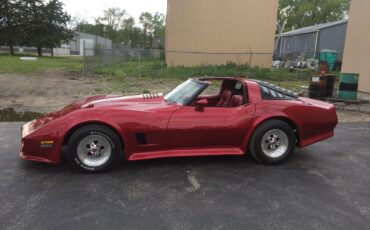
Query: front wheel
(272, 142)
(94, 148)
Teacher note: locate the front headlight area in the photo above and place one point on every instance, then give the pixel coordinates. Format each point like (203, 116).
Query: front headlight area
(39, 145)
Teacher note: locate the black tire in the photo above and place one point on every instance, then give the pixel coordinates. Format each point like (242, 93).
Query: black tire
(256, 142)
(99, 132)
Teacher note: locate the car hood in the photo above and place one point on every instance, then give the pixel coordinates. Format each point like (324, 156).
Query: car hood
(144, 99)
(139, 102)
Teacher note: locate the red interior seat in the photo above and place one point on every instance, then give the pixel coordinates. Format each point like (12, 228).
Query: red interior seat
(236, 100)
(225, 99)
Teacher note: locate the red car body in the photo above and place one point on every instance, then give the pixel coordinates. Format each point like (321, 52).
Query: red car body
(150, 127)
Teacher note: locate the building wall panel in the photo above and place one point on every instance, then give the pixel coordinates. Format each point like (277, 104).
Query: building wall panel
(301, 43)
(357, 47)
(333, 38)
(220, 26)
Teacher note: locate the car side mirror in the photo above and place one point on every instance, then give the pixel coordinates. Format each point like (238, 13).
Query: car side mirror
(200, 104)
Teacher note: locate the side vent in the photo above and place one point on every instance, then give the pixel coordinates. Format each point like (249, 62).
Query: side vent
(94, 98)
(141, 139)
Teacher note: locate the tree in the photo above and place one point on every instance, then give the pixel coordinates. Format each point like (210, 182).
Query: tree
(10, 23)
(96, 29)
(121, 28)
(127, 31)
(57, 21)
(301, 13)
(146, 20)
(75, 21)
(159, 21)
(112, 20)
(46, 24)
(153, 26)
(138, 37)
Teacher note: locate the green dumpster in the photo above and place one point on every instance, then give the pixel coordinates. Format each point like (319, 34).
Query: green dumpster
(348, 86)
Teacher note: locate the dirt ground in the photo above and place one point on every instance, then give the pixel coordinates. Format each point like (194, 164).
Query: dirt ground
(52, 90)
(47, 91)
(350, 116)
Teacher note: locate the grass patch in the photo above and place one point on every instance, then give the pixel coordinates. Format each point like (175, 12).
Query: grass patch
(12, 64)
(156, 71)
(151, 75)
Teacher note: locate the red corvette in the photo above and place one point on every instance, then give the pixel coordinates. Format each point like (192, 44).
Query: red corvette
(208, 116)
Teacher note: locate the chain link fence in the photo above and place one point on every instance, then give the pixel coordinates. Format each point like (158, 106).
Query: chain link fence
(95, 60)
(293, 70)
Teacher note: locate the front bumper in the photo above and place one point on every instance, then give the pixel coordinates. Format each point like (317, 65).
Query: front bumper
(32, 148)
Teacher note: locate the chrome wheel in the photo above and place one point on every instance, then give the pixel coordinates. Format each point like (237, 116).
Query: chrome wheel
(275, 143)
(94, 150)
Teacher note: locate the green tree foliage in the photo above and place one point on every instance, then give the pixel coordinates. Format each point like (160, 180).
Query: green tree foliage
(146, 20)
(33, 23)
(111, 20)
(97, 29)
(121, 28)
(301, 13)
(46, 25)
(159, 22)
(10, 23)
(153, 26)
(130, 35)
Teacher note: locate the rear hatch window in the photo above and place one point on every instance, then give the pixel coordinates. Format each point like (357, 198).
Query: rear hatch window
(274, 92)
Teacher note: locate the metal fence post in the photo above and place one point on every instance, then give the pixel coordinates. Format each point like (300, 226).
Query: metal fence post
(139, 64)
(83, 58)
(250, 63)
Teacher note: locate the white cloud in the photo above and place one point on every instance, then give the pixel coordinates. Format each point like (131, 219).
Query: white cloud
(90, 9)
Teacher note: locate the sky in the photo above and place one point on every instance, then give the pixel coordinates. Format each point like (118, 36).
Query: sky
(90, 9)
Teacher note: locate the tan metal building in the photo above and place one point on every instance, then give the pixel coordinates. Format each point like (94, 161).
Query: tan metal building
(357, 47)
(200, 32)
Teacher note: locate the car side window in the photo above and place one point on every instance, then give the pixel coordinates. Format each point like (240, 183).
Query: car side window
(213, 89)
(238, 86)
(224, 94)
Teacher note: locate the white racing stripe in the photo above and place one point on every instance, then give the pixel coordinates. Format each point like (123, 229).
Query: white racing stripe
(121, 98)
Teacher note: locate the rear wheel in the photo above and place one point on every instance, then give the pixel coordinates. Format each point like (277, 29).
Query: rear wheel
(272, 142)
(94, 148)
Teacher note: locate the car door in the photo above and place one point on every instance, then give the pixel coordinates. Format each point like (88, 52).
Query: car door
(191, 127)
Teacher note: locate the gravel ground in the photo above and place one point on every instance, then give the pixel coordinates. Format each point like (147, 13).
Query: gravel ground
(363, 108)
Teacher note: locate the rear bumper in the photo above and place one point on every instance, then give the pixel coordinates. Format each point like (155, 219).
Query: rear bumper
(320, 126)
(315, 139)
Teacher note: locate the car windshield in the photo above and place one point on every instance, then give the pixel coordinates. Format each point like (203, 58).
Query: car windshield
(186, 92)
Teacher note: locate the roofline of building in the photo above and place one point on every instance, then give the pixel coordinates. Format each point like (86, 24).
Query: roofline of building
(329, 24)
(77, 33)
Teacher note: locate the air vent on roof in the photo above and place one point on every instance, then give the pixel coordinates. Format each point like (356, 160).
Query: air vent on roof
(151, 96)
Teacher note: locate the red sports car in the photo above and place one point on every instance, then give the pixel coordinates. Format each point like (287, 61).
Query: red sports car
(200, 117)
